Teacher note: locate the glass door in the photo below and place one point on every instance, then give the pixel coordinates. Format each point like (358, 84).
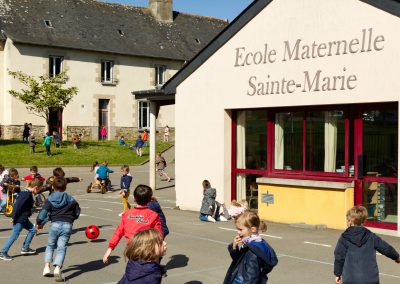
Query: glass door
(377, 158)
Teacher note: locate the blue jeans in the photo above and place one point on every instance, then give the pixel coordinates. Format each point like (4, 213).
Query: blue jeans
(17, 228)
(59, 234)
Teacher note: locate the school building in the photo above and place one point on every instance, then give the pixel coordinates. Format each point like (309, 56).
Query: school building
(108, 51)
(294, 107)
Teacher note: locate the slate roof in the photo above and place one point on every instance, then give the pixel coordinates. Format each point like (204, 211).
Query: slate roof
(106, 27)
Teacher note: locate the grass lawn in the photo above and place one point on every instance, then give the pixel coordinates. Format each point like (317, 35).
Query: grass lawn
(16, 153)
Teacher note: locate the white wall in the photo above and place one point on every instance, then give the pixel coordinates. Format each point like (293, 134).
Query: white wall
(202, 100)
(83, 69)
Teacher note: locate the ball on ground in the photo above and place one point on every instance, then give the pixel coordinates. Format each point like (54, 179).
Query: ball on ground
(92, 232)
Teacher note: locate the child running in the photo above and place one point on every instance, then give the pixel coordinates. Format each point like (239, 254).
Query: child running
(63, 210)
(126, 179)
(34, 173)
(144, 252)
(20, 217)
(252, 257)
(135, 219)
(355, 252)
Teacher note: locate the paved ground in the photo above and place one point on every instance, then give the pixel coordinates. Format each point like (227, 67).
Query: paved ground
(196, 250)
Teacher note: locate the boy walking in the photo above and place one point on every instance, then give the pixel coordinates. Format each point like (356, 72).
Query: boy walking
(63, 210)
(20, 217)
(47, 143)
(126, 179)
(135, 219)
(355, 252)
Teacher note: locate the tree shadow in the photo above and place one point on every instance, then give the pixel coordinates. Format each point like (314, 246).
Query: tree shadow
(177, 261)
(88, 267)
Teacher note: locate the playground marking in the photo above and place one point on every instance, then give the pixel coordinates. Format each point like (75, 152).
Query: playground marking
(269, 236)
(317, 244)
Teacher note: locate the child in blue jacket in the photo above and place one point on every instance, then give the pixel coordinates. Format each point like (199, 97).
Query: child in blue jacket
(22, 210)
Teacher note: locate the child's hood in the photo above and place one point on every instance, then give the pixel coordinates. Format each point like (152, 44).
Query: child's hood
(357, 235)
(59, 199)
(264, 252)
(139, 269)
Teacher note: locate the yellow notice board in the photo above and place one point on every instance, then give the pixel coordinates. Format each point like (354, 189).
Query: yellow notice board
(310, 205)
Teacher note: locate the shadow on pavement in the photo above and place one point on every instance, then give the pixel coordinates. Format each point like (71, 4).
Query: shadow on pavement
(43, 249)
(98, 241)
(177, 261)
(194, 282)
(88, 267)
(165, 187)
(82, 229)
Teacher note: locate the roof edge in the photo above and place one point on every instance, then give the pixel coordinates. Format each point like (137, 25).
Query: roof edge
(389, 6)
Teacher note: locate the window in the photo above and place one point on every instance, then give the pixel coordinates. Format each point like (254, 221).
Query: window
(143, 115)
(55, 65)
(160, 75)
(107, 71)
(48, 24)
(310, 141)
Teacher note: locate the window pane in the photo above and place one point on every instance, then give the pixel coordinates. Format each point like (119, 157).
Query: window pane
(251, 139)
(51, 66)
(380, 142)
(288, 142)
(58, 61)
(380, 199)
(247, 189)
(143, 110)
(325, 151)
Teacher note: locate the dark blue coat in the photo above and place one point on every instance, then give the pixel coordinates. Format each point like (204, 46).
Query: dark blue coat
(22, 209)
(141, 272)
(251, 264)
(355, 255)
(155, 206)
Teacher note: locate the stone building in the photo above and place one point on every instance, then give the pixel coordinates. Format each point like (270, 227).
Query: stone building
(108, 51)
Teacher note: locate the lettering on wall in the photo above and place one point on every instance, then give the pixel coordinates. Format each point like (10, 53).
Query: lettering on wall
(311, 81)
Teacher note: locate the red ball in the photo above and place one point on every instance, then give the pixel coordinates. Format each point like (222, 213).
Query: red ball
(92, 232)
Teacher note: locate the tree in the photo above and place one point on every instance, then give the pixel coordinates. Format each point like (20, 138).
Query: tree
(43, 95)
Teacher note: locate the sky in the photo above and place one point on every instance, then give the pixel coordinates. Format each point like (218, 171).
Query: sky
(222, 9)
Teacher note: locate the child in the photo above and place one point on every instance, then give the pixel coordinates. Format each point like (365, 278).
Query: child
(32, 142)
(237, 208)
(161, 164)
(56, 139)
(208, 204)
(145, 138)
(252, 257)
(355, 252)
(126, 179)
(94, 169)
(155, 206)
(20, 217)
(103, 133)
(144, 252)
(57, 172)
(63, 210)
(34, 173)
(102, 172)
(47, 143)
(135, 219)
(139, 146)
(3, 173)
(10, 182)
(121, 141)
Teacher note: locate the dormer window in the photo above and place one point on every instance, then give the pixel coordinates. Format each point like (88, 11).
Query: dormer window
(48, 24)
(160, 75)
(121, 32)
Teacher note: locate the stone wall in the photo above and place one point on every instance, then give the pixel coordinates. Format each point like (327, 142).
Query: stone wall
(15, 131)
(88, 132)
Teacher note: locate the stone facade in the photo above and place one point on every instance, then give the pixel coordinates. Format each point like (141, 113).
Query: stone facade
(15, 131)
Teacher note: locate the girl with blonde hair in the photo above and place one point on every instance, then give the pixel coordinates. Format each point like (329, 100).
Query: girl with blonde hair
(143, 253)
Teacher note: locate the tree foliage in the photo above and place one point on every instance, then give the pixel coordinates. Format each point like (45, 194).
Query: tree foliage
(43, 95)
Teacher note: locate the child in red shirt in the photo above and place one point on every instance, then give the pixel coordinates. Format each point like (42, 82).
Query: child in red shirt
(136, 219)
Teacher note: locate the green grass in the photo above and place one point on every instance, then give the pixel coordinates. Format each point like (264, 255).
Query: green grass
(16, 153)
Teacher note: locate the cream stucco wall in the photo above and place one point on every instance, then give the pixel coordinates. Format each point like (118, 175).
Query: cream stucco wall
(84, 68)
(202, 99)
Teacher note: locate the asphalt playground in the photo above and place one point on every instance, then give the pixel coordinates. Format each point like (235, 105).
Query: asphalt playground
(196, 250)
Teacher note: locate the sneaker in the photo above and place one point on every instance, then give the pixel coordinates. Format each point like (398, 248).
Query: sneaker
(169, 180)
(28, 251)
(58, 275)
(47, 272)
(5, 256)
(210, 219)
(223, 219)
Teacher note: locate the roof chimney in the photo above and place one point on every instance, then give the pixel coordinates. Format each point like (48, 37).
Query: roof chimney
(161, 9)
